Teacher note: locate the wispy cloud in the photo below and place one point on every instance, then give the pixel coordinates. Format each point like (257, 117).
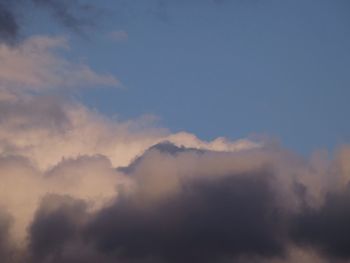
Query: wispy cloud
(35, 65)
(118, 36)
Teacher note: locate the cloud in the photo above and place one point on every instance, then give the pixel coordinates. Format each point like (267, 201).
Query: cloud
(57, 222)
(105, 190)
(177, 204)
(57, 146)
(8, 22)
(52, 145)
(7, 252)
(191, 206)
(77, 186)
(208, 220)
(73, 15)
(78, 16)
(326, 228)
(35, 65)
(119, 35)
(194, 226)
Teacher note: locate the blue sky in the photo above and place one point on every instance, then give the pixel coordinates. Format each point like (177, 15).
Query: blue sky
(225, 68)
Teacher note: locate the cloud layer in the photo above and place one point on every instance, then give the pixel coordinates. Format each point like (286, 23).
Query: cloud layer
(77, 186)
(188, 205)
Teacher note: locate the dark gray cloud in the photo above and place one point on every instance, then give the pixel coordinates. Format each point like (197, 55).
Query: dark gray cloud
(7, 252)
(71, 14)
(9, 27)
(76, 15)
(55, 227)
(209, 221)
(326, 228)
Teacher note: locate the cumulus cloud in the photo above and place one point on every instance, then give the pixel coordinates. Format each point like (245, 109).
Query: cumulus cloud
(187, 205)
(56, 146)
(175, 204)
(51, 145)
(181, 201)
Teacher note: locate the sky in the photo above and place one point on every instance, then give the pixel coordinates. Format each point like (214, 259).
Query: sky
(163, 131)
(224, 68)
